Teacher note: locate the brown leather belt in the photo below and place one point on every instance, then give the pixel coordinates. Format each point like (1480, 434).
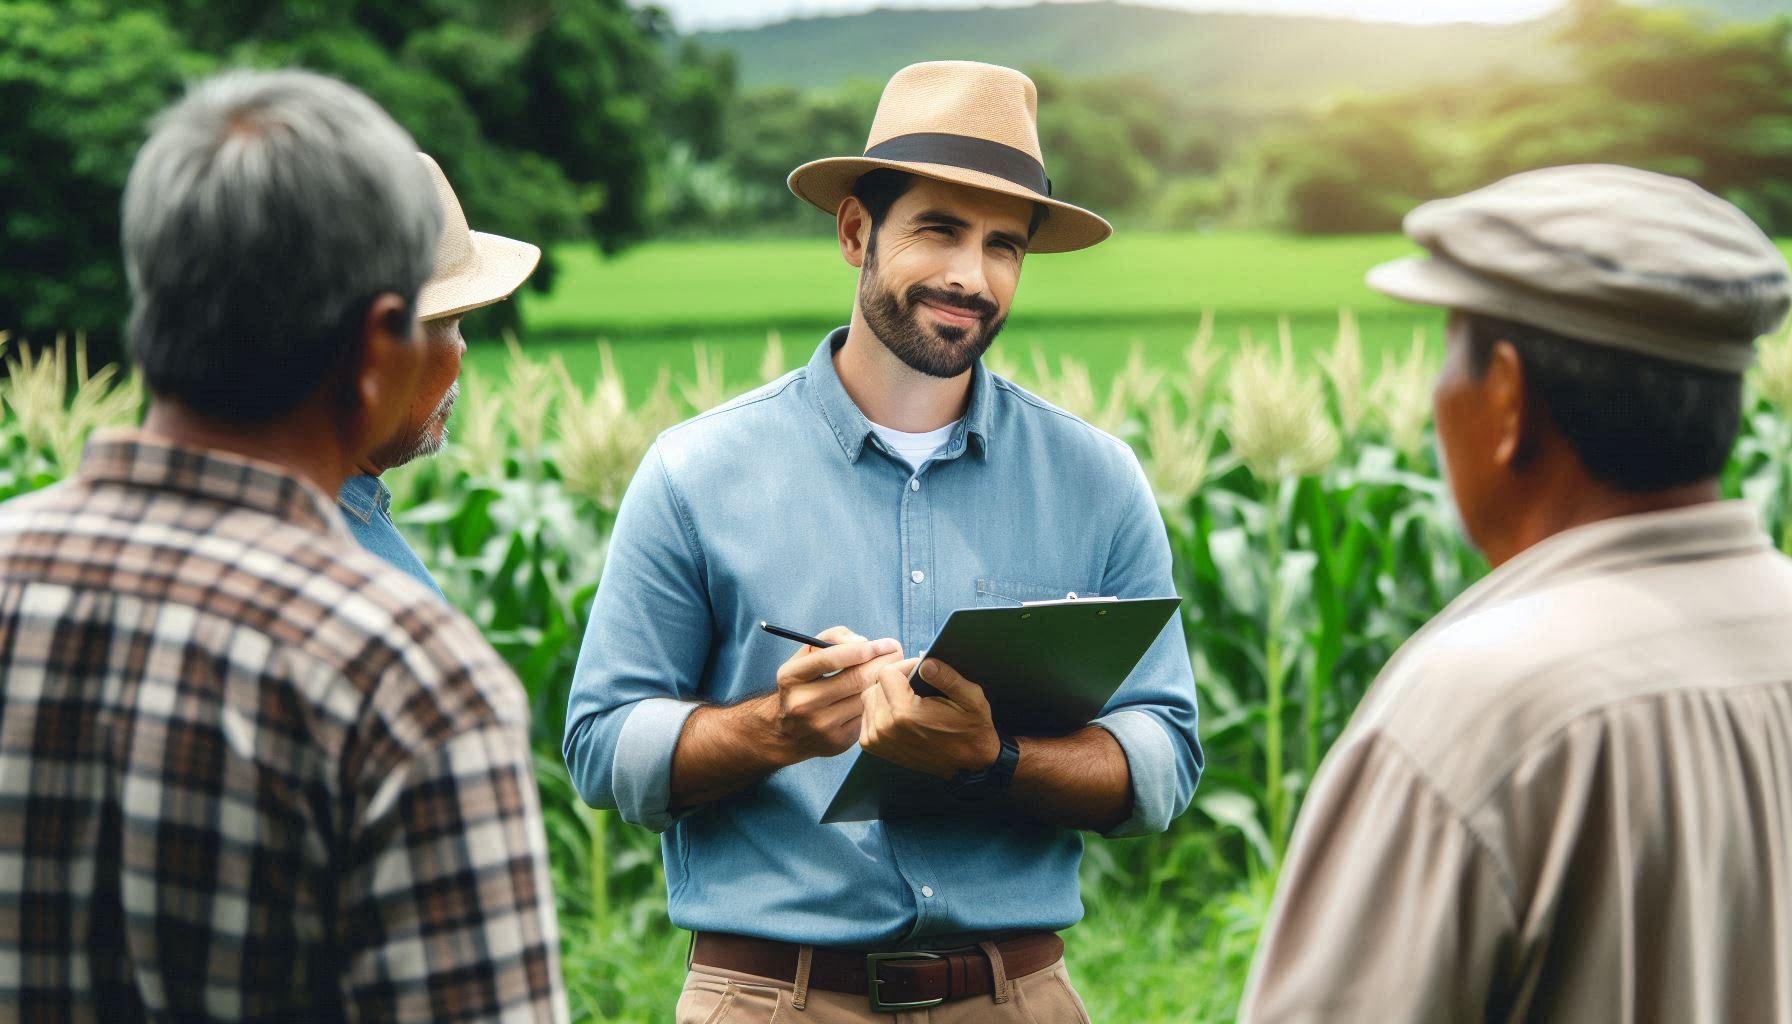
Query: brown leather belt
(893, 980)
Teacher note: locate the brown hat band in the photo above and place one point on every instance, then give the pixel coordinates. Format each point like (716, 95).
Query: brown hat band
(972, 154)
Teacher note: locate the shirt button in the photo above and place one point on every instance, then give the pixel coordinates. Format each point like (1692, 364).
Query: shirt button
(915, 484)
(927, 891)
(917, 576)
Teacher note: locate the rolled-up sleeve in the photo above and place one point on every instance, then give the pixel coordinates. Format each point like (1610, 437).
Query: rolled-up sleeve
(643, 654)
(1152, 716)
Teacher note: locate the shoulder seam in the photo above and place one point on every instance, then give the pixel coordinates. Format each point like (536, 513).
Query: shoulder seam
(1508, 884)
(739, 402)
(1043, 406)
(1580, 716)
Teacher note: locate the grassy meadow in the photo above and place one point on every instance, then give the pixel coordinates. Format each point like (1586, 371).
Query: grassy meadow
(654, 303)
(657, 303)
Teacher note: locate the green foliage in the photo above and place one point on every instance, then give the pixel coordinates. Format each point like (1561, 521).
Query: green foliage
(551, 118)
(1320, 126)
(1712, 104)
(1356, 167)
(1108, 144)
(78, 82)
(772, 131)
(1662, 90)
(1103, 141)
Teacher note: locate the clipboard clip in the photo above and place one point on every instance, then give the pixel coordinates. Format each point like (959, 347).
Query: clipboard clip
(1070, 598)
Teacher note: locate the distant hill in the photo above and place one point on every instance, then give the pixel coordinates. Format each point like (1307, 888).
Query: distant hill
(1237, 61)
(1735, 10)
(1241, 62)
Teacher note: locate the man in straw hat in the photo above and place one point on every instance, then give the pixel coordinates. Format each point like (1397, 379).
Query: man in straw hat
(1569, 797)
(472, 269)
(889, 481)
(248, 771)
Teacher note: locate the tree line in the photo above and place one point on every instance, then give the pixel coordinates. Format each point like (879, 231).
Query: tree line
(550, 117)
(591, 121)
(1664, 89)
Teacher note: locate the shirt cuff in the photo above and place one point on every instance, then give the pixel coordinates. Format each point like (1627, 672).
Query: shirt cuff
(641, 774)
(1151, 758)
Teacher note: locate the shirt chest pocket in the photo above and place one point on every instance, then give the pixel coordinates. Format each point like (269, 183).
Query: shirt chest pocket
(1001, 590)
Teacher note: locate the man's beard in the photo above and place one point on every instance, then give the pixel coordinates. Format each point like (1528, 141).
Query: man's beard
(425, 440)
(939, 351)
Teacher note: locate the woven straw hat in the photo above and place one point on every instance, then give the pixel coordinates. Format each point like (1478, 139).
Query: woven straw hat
(473, 268)
(964, 122)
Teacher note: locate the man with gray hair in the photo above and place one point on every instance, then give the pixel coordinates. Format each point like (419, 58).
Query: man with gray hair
(247, 769)
(1569, 796)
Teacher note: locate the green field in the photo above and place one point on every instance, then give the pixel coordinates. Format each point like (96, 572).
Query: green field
(771, 282)
(654, 302)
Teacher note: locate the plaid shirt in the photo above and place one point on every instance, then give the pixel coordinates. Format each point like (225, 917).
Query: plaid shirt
(249, 771)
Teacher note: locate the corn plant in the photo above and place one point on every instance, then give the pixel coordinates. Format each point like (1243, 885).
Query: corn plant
(51, 405)
(1761, 468)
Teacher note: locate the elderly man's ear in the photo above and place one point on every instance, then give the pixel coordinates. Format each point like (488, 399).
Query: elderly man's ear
(383, 379)
(1522, 427)
(1504, 386)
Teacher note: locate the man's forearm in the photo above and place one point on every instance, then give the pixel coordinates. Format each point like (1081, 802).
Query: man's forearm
(814, 712)
(1078, 781)
(722, 751)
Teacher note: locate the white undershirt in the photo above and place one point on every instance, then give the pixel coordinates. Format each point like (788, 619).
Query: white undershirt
(915, 448)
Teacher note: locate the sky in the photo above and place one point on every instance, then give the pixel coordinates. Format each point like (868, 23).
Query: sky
(692, 15)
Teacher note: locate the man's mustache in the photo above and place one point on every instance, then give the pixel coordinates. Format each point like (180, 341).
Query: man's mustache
(984, 309)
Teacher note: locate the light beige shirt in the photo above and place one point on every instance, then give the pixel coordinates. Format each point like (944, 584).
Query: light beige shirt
(1568, 798)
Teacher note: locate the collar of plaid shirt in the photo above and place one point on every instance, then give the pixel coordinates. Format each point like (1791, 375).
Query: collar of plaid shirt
(137, 458)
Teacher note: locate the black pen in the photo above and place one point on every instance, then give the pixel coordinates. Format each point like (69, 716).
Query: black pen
(791, 634)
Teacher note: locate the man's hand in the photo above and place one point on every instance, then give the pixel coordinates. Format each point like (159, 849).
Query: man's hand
(815, 711)
(937, 735)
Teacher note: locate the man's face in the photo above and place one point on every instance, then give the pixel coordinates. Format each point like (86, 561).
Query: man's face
(940, 274)
(425, 427)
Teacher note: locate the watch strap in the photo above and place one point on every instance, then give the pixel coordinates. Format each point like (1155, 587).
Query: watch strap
(991, 781)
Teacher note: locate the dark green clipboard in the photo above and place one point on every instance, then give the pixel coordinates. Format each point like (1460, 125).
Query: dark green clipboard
(1047, 667)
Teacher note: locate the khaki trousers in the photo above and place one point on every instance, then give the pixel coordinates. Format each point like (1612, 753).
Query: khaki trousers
(715, 996)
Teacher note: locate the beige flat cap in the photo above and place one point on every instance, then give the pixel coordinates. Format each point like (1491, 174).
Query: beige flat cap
(473, 268)
(1605, 254)
(964, 122)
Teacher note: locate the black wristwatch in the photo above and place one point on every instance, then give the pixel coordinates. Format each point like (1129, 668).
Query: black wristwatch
(974, 787)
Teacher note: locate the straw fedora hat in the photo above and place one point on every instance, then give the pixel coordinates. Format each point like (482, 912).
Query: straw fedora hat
(473, 268)
(964, 122)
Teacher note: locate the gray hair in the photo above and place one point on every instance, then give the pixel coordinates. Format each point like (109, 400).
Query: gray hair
(264, 214)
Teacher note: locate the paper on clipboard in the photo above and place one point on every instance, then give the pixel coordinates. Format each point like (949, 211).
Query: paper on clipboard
(1047, 667)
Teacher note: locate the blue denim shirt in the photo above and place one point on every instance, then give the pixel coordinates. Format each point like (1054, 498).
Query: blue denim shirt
(783, 505)
(367, 508)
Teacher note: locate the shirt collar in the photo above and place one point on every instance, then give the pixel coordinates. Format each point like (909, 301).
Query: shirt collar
(852, 429)
(137, 459)
(364, 495)
(1706, 530)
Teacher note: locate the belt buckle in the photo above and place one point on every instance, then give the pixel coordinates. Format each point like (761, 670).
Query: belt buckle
(872, 960)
